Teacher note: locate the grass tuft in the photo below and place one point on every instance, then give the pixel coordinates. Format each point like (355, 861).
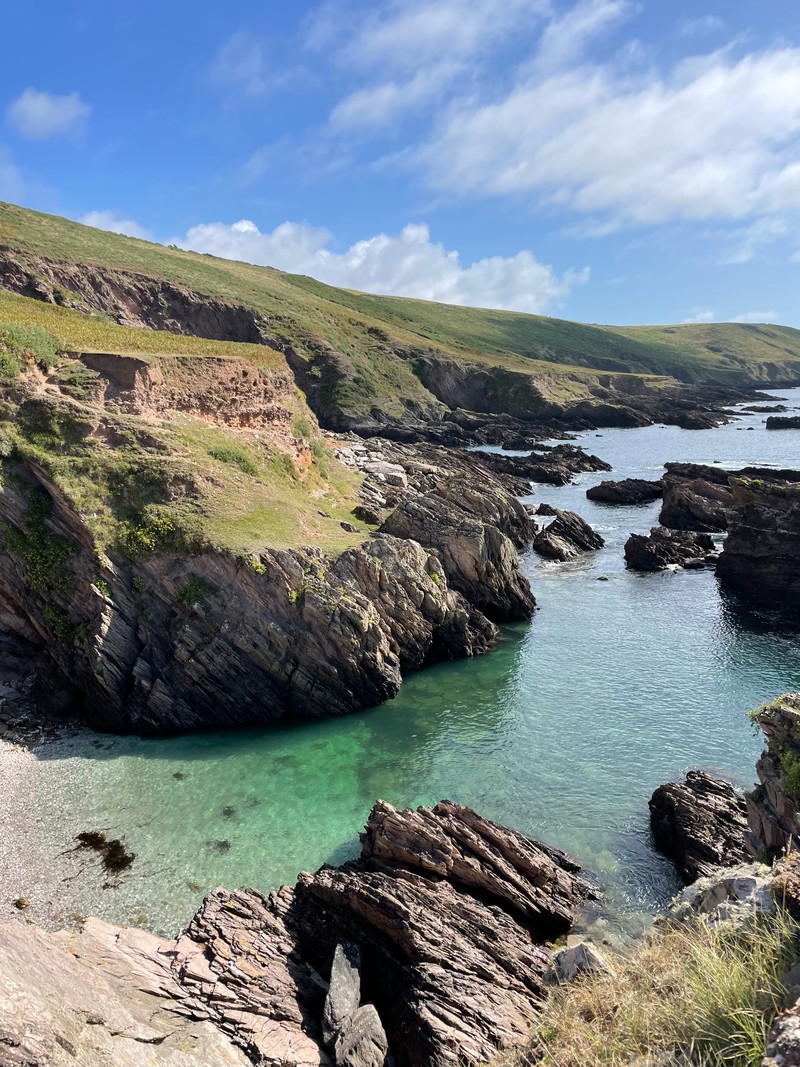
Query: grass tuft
(690, 994)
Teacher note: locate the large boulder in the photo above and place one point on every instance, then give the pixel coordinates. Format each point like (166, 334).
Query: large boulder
(701, 824)
(566, 537)
(475, 533)
(696, 497)
(626, 492)
(663, 548)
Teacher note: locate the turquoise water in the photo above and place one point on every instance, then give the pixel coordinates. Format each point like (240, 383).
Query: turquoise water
(563, 731)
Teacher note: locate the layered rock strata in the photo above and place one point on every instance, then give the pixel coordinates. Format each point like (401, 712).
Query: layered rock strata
(760, 561)
(187, 640)
(444, 919)
(773, 807)
(700, 824)
(566, 537)
(663, 548)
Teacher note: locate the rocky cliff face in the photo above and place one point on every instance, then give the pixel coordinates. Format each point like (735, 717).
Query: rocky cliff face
(444, 921)
(760, 561)
(773, 807)
(177, 641)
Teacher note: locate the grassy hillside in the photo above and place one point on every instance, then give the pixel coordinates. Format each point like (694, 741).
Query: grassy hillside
(379, 337)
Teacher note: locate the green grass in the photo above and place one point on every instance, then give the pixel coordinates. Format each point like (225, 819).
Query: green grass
(379, 337)
(692, 993)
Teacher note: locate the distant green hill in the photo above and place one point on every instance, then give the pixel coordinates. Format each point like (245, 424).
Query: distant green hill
(368, 360)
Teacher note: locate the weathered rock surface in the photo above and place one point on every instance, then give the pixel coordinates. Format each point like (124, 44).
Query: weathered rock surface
(344, 992)
(103, 996)
(700, 824)
(566, 537)
(297, 634)
(571, 963)
(626, 492)
(449, 910)
(760, 561)
(789, 422)
(481, 562)
(662, 548)
(733, 893)
(696, 497)
(773, 807)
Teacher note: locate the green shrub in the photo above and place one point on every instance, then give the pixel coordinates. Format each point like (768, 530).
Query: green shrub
(301, 427)
(43, 552)
(790, 775)
(21, 343)
(234, 456)
(196, 589)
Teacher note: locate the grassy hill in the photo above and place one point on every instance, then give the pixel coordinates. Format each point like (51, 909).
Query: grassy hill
(362, 357)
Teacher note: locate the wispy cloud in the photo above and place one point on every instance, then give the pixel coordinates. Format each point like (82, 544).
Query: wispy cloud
(700, 26)
(410, 264)
(241, 66)
(714, 138)
(108, 220)
(38, 115)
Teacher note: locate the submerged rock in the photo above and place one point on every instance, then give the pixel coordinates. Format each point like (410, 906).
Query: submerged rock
(566, 537)
(700, 824)
(662, 548)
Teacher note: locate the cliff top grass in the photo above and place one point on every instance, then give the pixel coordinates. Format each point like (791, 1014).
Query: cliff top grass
(167, 481)
(360, 326)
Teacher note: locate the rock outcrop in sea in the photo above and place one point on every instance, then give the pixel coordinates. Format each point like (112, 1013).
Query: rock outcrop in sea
(663, 548)
(566, 537)
(760, 560)
(627, 492)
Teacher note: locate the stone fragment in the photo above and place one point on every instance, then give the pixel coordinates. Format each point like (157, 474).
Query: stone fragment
(570, 963)
(344, 992)
(362, 1042)
(566, 537)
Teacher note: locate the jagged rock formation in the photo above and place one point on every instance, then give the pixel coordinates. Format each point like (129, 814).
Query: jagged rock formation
(299, 634)
(626, 492)
(773, 807)
(789, 422)
(760, 561)
(449, 911)
(696, 497)
(566, 537)
(663, 548)
(700, 824)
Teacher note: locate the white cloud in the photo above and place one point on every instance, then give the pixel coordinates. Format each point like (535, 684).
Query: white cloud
(565, 38)
(746, 242)
(107, 220)
(714, 138)
(39, 115)
(756, 316)
(240, 65)
(411, 50)
(408, 265)
(745, 316)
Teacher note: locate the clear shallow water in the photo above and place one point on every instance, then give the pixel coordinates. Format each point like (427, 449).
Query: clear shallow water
(562, 732)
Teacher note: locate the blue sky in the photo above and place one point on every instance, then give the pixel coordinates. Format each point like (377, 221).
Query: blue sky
(604, 160)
